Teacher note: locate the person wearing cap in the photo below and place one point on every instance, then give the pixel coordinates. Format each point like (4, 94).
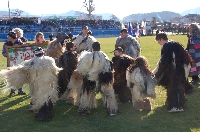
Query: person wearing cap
(120, 63)
(12, 40)
(19, 33)
(43, 84)
(84, 41)
(128, 43)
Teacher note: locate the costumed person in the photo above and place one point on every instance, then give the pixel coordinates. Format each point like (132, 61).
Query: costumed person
(128, 43)
(84, 41)
(142, 83)
(73, 93)
(19, 33)
(193, 48)
(40, 73)
(96, 69)
(68, 61)
(56, 47)
(172, 72)
(39, 38)
(120, 63)
(12, 40)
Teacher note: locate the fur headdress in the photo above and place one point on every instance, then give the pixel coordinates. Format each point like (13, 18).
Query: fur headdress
(55, 48)
(140, 80)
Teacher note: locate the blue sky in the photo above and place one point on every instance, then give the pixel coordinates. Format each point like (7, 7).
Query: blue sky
(120, 8)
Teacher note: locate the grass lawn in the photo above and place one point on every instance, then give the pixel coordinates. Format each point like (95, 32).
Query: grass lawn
(14, 114)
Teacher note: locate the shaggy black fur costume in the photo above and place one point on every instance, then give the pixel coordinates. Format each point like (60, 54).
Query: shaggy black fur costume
(88, 85)
(171, 73)
(68, 61)
(120, 65)
(45, 113)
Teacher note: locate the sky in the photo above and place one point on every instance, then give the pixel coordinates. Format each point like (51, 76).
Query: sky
(120, 8)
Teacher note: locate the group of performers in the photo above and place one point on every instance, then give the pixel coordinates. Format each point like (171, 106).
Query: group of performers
(75, 69)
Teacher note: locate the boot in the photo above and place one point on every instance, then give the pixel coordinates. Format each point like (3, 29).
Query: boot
(147, 104)
(138, 105)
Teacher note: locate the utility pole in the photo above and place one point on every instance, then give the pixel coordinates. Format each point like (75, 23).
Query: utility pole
(9, 8)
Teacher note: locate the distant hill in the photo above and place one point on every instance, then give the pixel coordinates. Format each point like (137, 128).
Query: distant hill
(105, 16)
(69, 13)
(191, 11)
(160, 16)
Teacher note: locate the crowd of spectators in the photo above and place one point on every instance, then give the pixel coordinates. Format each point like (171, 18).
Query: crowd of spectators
(31, 25)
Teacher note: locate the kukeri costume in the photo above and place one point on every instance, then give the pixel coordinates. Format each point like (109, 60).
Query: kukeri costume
(172, 72)
(142, 83)
(40, 73)
(82, 43)
(129, 45)
(120, 64)
(96, 69)
(68, 61)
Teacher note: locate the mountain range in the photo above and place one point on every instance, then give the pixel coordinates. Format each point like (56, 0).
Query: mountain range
(160, 16)
(164, 15)
(191, 11)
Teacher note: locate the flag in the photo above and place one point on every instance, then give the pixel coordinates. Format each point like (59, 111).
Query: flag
(122, 25)
(130, 29)
(137, 30)
(144, 27)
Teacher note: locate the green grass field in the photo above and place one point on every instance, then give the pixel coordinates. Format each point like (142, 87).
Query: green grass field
(14, 114)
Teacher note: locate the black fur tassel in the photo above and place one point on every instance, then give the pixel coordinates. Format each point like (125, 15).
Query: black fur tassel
(45, 113)
(88, 85)
(105, 78)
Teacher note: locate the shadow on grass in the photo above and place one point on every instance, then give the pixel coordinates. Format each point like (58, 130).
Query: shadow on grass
(15, 116)
(2, 84)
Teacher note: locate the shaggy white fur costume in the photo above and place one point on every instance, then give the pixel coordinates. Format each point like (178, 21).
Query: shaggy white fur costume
(143, 82)
(82, 43)
(41, 75)
(91, 65)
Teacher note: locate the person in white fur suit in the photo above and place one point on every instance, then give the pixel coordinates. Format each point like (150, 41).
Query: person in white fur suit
(97, 72)
(84, 41)
(142, 83)
(40, 73)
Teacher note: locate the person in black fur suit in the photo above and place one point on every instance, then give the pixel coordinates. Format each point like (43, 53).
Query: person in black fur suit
(68, 61)
(172, 72)
(120, 63)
